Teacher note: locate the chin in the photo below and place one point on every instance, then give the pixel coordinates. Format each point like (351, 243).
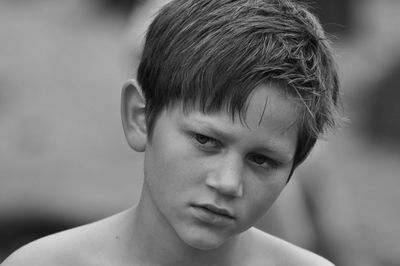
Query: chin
(203, 244)
(202, 239)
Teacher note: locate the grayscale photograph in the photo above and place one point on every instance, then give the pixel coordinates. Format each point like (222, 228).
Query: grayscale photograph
(199, 132)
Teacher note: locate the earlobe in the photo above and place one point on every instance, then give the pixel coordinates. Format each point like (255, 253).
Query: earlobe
(133, 115)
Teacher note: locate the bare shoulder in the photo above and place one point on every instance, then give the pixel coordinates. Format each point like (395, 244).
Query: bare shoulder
(82, 245)
(50, 250)
(281, 252)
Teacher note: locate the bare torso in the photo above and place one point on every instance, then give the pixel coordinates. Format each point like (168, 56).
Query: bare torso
(109, 242)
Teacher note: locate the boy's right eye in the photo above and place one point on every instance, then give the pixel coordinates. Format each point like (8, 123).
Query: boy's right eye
(206, 142)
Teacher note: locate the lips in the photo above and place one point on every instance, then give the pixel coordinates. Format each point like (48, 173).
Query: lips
(216, 210)
(212, 215)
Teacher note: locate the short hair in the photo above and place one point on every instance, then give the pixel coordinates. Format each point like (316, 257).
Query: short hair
(213, 53)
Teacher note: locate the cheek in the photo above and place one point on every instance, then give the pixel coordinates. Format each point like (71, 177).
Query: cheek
(260, 196)
(167, 168)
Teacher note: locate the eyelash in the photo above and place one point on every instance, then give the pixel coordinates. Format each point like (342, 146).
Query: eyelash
(202, 141)
(269, 162)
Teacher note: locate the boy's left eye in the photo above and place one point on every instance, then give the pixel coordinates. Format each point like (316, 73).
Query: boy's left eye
(201, 138)
(262, 160)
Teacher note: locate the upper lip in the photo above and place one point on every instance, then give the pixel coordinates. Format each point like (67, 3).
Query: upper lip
(217, 210)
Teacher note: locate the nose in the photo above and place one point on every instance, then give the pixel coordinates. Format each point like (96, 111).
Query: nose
(226, 177)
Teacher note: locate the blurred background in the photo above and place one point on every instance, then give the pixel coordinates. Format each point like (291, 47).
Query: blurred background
(63, 157)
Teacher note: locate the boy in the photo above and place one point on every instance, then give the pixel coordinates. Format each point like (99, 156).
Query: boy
(231, 97)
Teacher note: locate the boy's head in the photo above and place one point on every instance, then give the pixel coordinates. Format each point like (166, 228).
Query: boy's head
(211, 54)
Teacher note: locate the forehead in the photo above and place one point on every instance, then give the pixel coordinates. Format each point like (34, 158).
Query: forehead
(269, 103)
(266, 100)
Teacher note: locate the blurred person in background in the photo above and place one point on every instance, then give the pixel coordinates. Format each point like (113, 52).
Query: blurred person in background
(59, 60)
(203, 191)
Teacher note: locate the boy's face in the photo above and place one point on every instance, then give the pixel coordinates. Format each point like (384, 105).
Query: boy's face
(212, 178)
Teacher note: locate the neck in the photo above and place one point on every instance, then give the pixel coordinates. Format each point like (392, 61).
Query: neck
(155, 242)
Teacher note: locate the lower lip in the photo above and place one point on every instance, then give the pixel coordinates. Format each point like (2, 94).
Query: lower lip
(210, 217)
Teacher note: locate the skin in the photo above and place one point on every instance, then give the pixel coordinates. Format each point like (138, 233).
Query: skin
(194, 159)
(198, 159)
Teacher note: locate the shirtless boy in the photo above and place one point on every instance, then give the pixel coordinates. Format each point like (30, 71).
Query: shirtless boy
(230, 98)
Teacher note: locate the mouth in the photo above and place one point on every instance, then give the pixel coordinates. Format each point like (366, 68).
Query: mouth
(218, 211)
(212, 214)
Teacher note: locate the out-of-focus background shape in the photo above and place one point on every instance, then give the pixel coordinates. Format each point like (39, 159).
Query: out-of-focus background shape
(64, 161)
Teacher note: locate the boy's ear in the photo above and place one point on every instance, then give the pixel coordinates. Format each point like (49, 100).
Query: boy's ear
(133, 115)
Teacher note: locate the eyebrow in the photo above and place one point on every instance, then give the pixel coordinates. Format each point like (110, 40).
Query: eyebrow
(209, 128)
